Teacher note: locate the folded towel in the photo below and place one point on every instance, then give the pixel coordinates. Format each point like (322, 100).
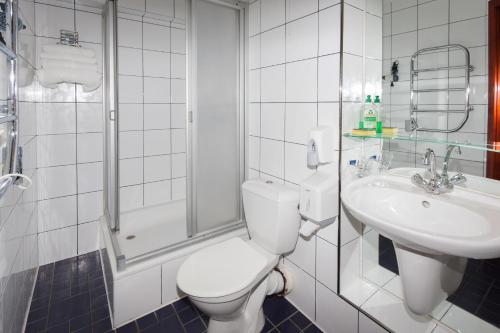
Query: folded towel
(67, 64)
(90, 80)
(68, 50)
(65, 56)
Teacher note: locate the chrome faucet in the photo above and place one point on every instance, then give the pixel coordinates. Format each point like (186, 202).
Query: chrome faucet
(438, 183)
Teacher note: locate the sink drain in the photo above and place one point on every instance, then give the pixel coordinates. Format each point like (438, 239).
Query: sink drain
(426, 204)
(130, 237)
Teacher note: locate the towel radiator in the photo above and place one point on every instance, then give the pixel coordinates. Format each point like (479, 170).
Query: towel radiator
(412, 124)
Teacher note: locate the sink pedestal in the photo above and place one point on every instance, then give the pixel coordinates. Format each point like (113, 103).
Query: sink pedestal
(427, 279)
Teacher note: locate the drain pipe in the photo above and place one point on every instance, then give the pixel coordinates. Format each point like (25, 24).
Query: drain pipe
(279, 281)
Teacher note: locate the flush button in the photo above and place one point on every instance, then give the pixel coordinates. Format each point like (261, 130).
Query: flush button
(269, 181)
(426, 204)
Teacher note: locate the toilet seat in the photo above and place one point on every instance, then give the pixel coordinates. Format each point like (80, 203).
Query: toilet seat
(231, 267)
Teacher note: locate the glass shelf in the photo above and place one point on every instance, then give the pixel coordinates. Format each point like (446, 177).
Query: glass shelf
(493, 147)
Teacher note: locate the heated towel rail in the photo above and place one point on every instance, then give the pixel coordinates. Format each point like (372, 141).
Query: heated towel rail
(412, 124)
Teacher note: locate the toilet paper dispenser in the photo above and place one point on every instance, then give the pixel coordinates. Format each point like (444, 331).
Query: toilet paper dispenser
(318, 202)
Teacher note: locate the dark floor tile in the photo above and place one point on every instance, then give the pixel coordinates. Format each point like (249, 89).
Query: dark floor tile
(182, 304)
(276, 309)
(36, 326)
(187, 314)
(129, 328)
(146, 321)
(165, 312)
(100, 313)
(312, 329)
(38, 314)
(101, 326)
(99, 301)
(300, 320)
(492, 317)
(468, 301)
(288, 327)
(171, 325)
(62, 327)
(39, 303)
(195, 326)
(82, 321)
(267, 327)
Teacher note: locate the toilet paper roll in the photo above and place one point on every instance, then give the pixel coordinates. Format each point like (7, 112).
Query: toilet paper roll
(308, 229)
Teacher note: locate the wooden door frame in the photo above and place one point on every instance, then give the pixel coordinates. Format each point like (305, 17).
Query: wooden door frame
(493, 159)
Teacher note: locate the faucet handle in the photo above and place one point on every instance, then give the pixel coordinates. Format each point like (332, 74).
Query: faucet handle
(457, 179)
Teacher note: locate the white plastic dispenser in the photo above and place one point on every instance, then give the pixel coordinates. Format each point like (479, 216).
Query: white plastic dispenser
(320, 148)
(318, 202)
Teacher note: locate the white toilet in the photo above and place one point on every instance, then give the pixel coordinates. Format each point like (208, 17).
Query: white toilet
(229, 281)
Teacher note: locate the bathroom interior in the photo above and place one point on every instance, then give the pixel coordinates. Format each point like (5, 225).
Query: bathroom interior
(250, 166)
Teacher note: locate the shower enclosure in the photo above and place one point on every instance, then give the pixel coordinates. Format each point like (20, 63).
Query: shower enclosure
(174, 121)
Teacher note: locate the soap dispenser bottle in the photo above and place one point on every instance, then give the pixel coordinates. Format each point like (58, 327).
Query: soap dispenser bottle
(378, 111)
(369, 115)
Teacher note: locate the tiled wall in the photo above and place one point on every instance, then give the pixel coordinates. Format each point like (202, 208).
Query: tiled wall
(70, 139)
(18, 208)
(409, 27)
(294, 86)
(152, 96)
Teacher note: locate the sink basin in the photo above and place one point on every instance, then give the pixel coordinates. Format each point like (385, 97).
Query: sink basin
(432, 234)
(464, 222)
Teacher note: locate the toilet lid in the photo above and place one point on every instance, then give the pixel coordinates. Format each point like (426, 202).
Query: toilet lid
(221, 269)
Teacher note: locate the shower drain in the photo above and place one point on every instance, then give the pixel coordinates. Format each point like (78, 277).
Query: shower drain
(129, 237)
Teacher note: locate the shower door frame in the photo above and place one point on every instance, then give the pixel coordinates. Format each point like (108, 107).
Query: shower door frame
(191, 134)
(111, 117)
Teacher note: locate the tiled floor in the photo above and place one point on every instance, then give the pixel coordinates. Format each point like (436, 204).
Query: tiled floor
(70, 297)
(479, 292)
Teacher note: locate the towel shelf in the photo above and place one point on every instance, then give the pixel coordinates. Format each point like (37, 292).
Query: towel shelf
(412, 124)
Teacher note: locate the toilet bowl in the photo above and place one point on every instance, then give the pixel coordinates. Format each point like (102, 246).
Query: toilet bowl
(229, 281)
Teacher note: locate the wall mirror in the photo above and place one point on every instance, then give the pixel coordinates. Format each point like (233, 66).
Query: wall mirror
(434, 68)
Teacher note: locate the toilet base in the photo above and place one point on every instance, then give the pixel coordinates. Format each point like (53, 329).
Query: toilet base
(251, 319)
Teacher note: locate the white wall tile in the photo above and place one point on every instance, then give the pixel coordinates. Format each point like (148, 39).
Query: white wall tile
(303, 290)
(156, 142)
(273, 84)
(54, 150)
(272, 47)
(466, 9)
(299, 8)
(366, 325)
(254, 119)
(272, 14)
(333, 314)
(406, 20)
(160, 7)
(131, 117)
(90, 206)
(90, 177)
(178, 188)
(89, 26)
(130, 33)
(469, 33)
(353, 30)
(56, 118)
(178, 115)
(156, 64)
(131, 171)
(57, 213)
(301, 81)
(89, 117)
(254, 18)
(329, 30)
(157, 192)
(178, 41)
(296, 169)
(51, 19)
(328, 78)
(432, 13)
(156, 116)
(178, 91)
(302, 38)
(178, 165)
(326, 263)
(156, 37)
(130, 89)
(157, 168)
(89, 147)
(56, 182)
(88, 237)
(300, 118)
(131, 197)
(178, 66)
(304, 251)
(272, 120)
(178, 141)
(156, 90)
(129, 61)
(272, 157)
(57, 245)
(131, 144)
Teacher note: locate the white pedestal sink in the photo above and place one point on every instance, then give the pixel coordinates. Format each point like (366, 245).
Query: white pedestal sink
(433, 234)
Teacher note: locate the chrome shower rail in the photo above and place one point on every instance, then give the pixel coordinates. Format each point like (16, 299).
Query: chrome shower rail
(412, 124)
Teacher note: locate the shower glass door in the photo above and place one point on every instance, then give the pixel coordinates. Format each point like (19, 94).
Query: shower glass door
(216, 125)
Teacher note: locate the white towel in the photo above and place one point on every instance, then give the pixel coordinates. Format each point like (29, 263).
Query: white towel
(51, 78)
(63, 63)
(69, 50)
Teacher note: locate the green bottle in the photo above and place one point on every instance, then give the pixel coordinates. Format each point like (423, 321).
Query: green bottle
(378, 111)
(369, 114)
